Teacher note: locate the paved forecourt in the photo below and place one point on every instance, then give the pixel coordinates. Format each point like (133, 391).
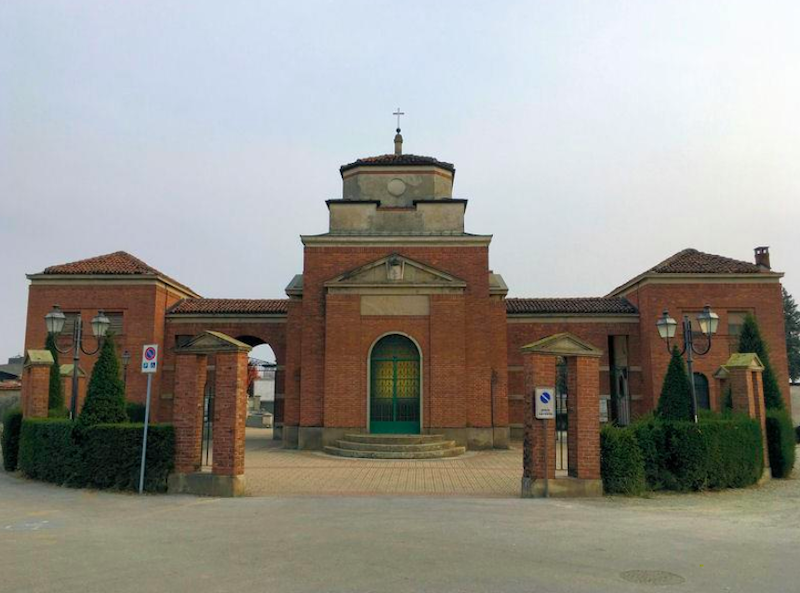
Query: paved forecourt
(272, 470)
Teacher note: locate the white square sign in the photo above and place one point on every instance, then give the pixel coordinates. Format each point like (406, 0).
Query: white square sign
(149, 358)
(545, 403)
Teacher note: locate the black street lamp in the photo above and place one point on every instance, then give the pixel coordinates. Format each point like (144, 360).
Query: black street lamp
(126, 359)
(55, 324)
(708, 321)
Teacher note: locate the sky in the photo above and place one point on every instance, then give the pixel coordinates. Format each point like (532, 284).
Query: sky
(593, 139)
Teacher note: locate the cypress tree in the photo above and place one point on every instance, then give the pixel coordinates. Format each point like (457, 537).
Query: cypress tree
(750, 340)
(675, 402)
(55, 395)
(105, 396)
(791, 318)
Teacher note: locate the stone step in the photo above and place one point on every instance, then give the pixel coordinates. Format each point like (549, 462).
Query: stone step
(435, 454)
(395, 447)
(394, 439)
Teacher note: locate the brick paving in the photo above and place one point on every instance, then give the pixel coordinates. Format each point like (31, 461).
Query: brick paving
(272, 470)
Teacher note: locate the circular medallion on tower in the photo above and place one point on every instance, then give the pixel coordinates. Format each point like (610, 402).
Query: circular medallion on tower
(396, 187)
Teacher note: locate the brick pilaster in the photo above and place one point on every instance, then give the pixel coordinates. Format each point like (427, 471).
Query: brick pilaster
(583, 408)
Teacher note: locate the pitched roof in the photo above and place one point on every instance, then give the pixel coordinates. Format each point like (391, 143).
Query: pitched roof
(119, 263)
(385, 160)
(692, 261)
(229, 307)
(571, 306)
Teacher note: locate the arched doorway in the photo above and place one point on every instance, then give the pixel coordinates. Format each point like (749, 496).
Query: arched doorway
(701, 390)
(394, 386)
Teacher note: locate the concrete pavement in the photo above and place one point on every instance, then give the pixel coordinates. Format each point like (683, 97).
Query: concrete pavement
(70, 541)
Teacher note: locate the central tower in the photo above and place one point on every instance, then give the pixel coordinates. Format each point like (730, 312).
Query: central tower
(399, 323)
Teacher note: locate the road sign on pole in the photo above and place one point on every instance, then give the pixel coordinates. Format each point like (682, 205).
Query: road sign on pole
(149, 366)
(545, 403)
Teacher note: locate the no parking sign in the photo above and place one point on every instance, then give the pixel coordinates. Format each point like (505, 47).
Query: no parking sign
(149, 358)
(545, 406)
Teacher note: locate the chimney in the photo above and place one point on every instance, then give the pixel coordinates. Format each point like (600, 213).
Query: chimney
(762, 258)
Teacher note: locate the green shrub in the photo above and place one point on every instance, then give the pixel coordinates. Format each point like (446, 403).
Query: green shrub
(652, 436)
(621, 463)
(55, 394)
(675, 402)
(99, 456)
(721, 451)
(48, 452)
(797, 433)
(61, 412)
(112, 456)
(135, 411)
(12, 424)
(750, 340)
(105, 396)
(780, 443)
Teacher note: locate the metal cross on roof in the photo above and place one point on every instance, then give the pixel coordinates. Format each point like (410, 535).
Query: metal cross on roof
(398, 113)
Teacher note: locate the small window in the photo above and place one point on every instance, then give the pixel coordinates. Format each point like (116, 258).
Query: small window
(116, 323)
(69, 324)
(182, 340)
(736, 322)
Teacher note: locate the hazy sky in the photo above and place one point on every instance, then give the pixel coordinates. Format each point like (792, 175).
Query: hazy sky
(593, 139)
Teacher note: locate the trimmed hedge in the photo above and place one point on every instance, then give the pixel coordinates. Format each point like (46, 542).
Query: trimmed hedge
(780, 443)
(12, 424)
(718, 452)
(99, 456)
(47, 451)
(621, 462)
(135, 411)
(113, 453)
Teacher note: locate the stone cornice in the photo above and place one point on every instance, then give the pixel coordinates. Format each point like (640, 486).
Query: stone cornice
(111, 280)
(329, 240)
(660, 278)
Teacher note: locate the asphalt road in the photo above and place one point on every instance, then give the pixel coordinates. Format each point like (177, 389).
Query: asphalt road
(55, 539)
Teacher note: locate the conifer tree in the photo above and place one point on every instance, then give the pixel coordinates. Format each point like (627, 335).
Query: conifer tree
(750, 340)
(791, 318)
(55, 395)
(105, 397)
(675, 402)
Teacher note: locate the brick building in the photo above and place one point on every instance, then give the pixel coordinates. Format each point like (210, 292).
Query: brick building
(397, 324)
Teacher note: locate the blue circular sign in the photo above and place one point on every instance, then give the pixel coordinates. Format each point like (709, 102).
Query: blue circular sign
(150, 353)
(545, 397)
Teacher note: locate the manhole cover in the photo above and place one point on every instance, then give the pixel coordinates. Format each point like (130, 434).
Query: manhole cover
(652, 577)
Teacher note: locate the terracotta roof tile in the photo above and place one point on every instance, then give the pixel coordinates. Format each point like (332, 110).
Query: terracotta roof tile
(397, 160)
(571, 306)
(118, 263)
(692, 261)
(229, 306)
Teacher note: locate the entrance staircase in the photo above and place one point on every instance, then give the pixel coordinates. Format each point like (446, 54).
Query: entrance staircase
(395, 446)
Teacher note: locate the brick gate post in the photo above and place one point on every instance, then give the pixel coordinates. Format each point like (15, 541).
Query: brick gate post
(747, 392)
(540, 371)
(190, 380)
(583, 421)
(36, 383)
(230, 412)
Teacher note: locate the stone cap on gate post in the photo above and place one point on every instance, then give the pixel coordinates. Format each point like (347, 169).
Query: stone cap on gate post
(743, 360)
(563, 344)
(38, 358)
(212, 342)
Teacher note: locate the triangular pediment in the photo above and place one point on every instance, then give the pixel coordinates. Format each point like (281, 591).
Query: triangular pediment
(210, 341)
(397, 271)
(744, 360)
(564, 344)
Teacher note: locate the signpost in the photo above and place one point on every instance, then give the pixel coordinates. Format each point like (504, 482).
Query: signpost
(149, 366)
(544, 410)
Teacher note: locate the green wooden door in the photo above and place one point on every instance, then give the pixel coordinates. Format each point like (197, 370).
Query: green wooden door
(394, 386)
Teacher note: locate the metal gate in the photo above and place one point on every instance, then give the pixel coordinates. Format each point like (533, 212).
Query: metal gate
(208, 423)
(562, 417)
(394, 397)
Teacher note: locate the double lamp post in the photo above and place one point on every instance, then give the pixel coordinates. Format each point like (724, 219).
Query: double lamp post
(708, 322)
